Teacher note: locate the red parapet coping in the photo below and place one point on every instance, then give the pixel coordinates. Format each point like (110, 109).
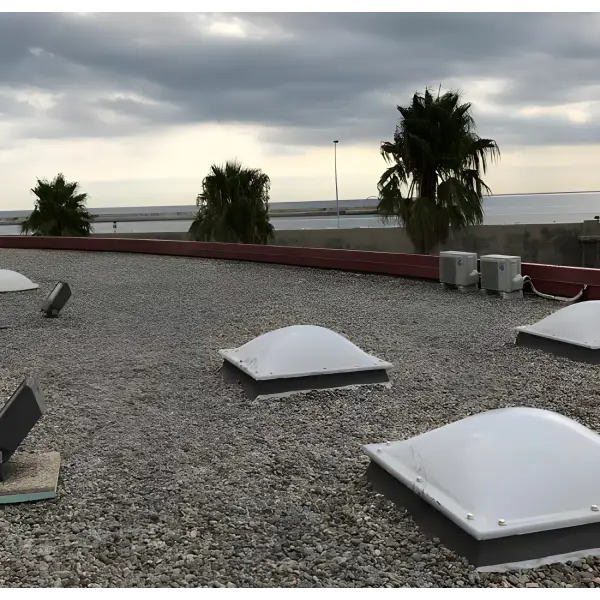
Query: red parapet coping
(385, 263)
(563, 281)
(548, 279)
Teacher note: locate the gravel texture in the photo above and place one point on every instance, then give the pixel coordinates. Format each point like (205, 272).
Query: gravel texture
(172, 478)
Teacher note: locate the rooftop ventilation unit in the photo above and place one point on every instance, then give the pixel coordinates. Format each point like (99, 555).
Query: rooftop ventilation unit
(501, 274)
(11, 281)
(572, 332)
(459, 269)
(504, 488)
(300, 358)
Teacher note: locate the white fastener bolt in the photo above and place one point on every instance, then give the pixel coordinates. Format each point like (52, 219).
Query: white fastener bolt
(419, 479)
(594, 507)
(501, 522)
(470, 516)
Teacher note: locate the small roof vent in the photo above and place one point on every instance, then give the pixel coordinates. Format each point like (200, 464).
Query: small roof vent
(300, 358)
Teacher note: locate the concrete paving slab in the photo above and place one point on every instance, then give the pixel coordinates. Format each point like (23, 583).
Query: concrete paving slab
(30, 477)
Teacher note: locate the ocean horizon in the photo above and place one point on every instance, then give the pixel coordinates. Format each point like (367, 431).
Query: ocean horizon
(508, 209)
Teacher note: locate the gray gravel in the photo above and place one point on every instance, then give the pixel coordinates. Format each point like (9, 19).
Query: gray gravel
(172, 478)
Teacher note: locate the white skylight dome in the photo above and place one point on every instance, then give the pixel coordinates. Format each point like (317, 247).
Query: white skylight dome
(299, 351)
(11, 281)
(301, 358)
(517, 481)
(572, 331)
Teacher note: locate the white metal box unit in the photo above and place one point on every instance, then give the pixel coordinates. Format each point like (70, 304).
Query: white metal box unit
(458, 268)
(500, 273)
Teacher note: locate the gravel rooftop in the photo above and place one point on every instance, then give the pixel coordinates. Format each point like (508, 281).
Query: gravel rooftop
(172, 478)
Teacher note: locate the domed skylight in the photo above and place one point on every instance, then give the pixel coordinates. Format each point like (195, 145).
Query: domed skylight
(300, 358)
(572, 331)
(11, 281)
(505, 486)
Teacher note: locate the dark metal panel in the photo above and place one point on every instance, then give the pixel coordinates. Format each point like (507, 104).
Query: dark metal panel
(18, 417)
(56, 299)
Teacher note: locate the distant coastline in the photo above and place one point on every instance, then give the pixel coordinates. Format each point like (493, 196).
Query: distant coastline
(502, 209)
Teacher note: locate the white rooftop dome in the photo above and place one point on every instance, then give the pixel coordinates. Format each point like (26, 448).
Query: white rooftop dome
(577, 324)
(300, 351)
(502, 473)
(299, 359)
(11, 281)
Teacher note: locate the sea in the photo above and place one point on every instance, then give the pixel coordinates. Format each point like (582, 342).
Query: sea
(563, 207)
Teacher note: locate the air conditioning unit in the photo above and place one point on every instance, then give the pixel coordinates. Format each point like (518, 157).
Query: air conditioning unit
(502, 274)
(458, 269)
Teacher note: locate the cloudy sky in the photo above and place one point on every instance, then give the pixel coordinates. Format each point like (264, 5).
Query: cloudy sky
(137, 106)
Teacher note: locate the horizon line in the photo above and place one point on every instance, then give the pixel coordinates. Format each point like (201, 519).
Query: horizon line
(373, 197)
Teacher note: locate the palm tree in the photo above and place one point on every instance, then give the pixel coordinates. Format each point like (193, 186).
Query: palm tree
(434, 182)
(233, 206)
(59, 209)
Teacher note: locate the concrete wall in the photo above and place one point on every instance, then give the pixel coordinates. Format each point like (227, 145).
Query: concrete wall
(554, 244)
(169, 235)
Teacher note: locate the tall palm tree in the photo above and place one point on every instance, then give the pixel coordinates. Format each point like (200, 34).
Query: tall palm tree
(59, 209)
(233, 206)
(434, 182)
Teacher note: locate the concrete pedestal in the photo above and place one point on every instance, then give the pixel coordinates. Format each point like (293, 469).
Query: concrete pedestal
(30, 477)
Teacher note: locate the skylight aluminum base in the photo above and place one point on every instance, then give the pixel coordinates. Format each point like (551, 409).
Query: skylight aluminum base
(558, 348)
(288, 385)
(484, 554)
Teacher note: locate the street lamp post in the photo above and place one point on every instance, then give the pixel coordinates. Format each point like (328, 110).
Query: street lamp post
(337, 198)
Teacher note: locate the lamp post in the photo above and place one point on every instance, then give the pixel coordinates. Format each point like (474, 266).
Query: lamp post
(337, 198)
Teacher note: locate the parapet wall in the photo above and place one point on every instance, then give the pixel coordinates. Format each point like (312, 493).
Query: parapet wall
(553, 244)
(549, 279)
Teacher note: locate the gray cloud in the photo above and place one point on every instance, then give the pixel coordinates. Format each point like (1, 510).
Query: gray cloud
(307, 77)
